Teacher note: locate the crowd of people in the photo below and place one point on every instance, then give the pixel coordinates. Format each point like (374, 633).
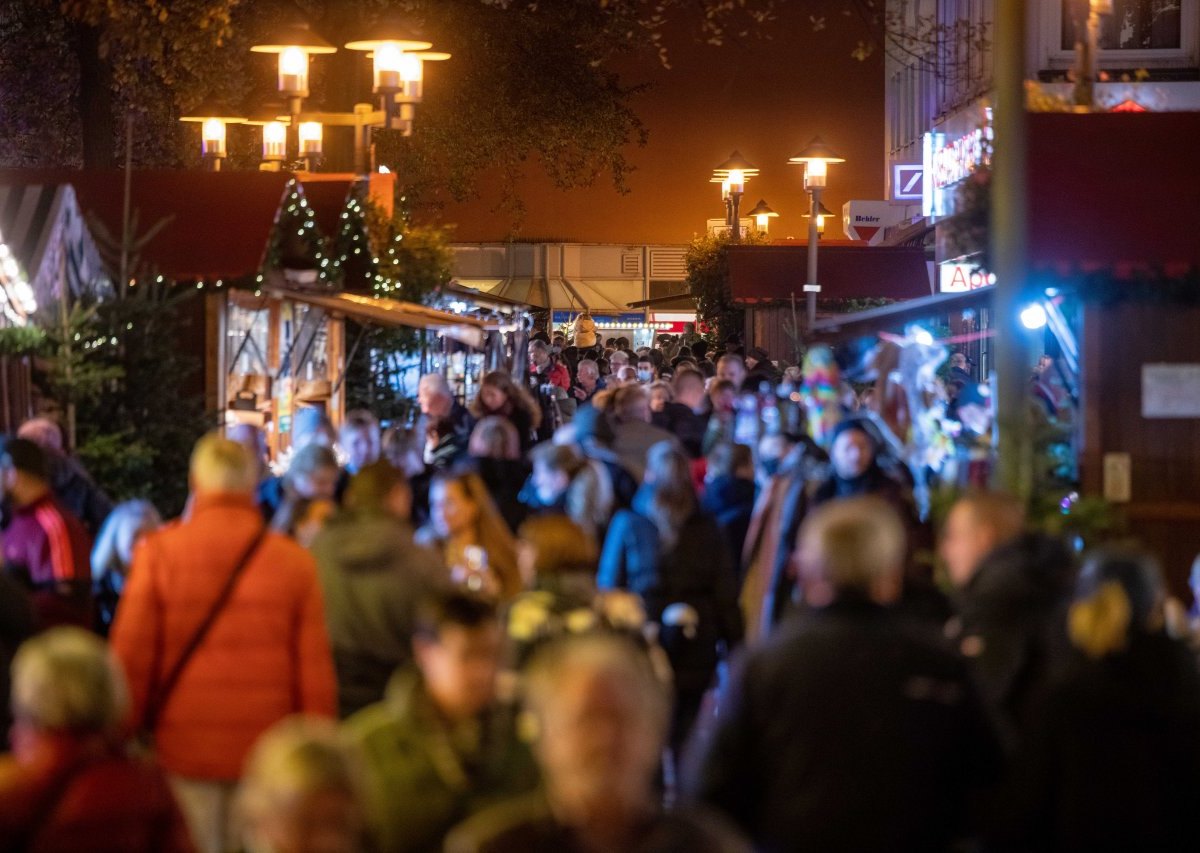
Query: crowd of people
(606, 605)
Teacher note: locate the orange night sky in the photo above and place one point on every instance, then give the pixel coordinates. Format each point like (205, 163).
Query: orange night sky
(765, 97)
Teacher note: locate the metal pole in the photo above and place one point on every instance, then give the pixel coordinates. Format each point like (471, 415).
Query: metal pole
(734, 216)
(811, 288)
(1014, 471)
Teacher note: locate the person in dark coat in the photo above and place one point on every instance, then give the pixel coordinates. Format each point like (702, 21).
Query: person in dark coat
(1111, 759)
(729, 494)
(17, 624)
(673, 555)
(1011, 593)
(69, 480)
(500, 395)
(373, 575)
(495, 454)
(849, 730)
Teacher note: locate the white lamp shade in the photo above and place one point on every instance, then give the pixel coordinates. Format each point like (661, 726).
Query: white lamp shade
(293, 72)
(274, 140)
(213, 137)
(310, 133)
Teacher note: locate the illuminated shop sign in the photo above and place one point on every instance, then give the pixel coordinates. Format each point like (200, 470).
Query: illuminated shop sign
(948, 160)
(960, 278)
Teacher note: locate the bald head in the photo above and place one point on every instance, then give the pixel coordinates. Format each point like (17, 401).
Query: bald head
(977, 525)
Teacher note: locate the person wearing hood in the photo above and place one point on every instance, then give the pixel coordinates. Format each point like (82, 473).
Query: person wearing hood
(373, 575)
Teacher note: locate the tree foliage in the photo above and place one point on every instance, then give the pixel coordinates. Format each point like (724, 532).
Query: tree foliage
(707, 260)
(531, 84)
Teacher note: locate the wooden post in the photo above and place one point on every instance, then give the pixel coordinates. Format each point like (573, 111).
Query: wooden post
(1014, 472)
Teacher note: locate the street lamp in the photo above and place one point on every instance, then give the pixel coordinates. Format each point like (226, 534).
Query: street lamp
(815, 158)
(398, 64)
(294, 43)
(762, 214)
(213, 119)
(733, 174)
(397, 70)
(822, 213)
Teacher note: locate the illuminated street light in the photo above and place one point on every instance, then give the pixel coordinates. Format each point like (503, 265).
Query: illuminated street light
(213, 120)
(815, 158)
(823, 213)
(763, 214)
(733, 174)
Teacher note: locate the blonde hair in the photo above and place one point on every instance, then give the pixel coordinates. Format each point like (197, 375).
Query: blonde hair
(1119, 592)
(67, 680)
(296, 758)
(1099, 624)
(221, 465)
(495, 437)
(853, 543)
(559, 545)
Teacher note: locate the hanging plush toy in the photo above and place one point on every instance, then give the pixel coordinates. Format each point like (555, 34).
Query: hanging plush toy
(585, 331)
(822, 386)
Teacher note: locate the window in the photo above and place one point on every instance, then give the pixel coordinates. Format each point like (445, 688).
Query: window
(1133, 25)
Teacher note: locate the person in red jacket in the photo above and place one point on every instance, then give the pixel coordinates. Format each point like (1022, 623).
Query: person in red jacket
(266, 654)
(70, 783)
(46, 548)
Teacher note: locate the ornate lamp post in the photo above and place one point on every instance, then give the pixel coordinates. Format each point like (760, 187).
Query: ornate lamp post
(763, 214)
(815, 158)
(213, 119)
(733, 174)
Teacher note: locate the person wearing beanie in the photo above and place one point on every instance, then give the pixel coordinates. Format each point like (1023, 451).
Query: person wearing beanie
(46, 548)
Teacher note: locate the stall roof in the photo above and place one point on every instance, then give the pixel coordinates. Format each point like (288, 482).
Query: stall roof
(380, 310)
(217, 224)
(556, 294)
(773, 273)
(841, 326)
(675, 302)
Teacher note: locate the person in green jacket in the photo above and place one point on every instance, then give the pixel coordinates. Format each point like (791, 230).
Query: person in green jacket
(441, 746)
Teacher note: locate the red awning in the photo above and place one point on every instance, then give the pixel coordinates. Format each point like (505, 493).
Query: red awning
(219, 222)
(1114, 191)
(775, 272)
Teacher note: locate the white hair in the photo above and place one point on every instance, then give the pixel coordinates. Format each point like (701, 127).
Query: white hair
(67, 680)
(435, 382)
(853, 543)
(221, 465)
(114, 542)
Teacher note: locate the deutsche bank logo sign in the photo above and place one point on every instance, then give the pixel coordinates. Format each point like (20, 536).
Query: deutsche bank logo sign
(908, 181)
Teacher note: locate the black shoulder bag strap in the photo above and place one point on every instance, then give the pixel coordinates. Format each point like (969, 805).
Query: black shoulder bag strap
(155, 707)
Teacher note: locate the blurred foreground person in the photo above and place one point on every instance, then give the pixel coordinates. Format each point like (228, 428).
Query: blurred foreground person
(373, 575)
(675, 557)
(1013, 589)
(45, 546)
(848, 731)
(112, 555)
(222, 633)
(441, 746)
(69, 480)
(310, 488)
(303, 791)
(70, 784)
(1111, 761)
(602, 718)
